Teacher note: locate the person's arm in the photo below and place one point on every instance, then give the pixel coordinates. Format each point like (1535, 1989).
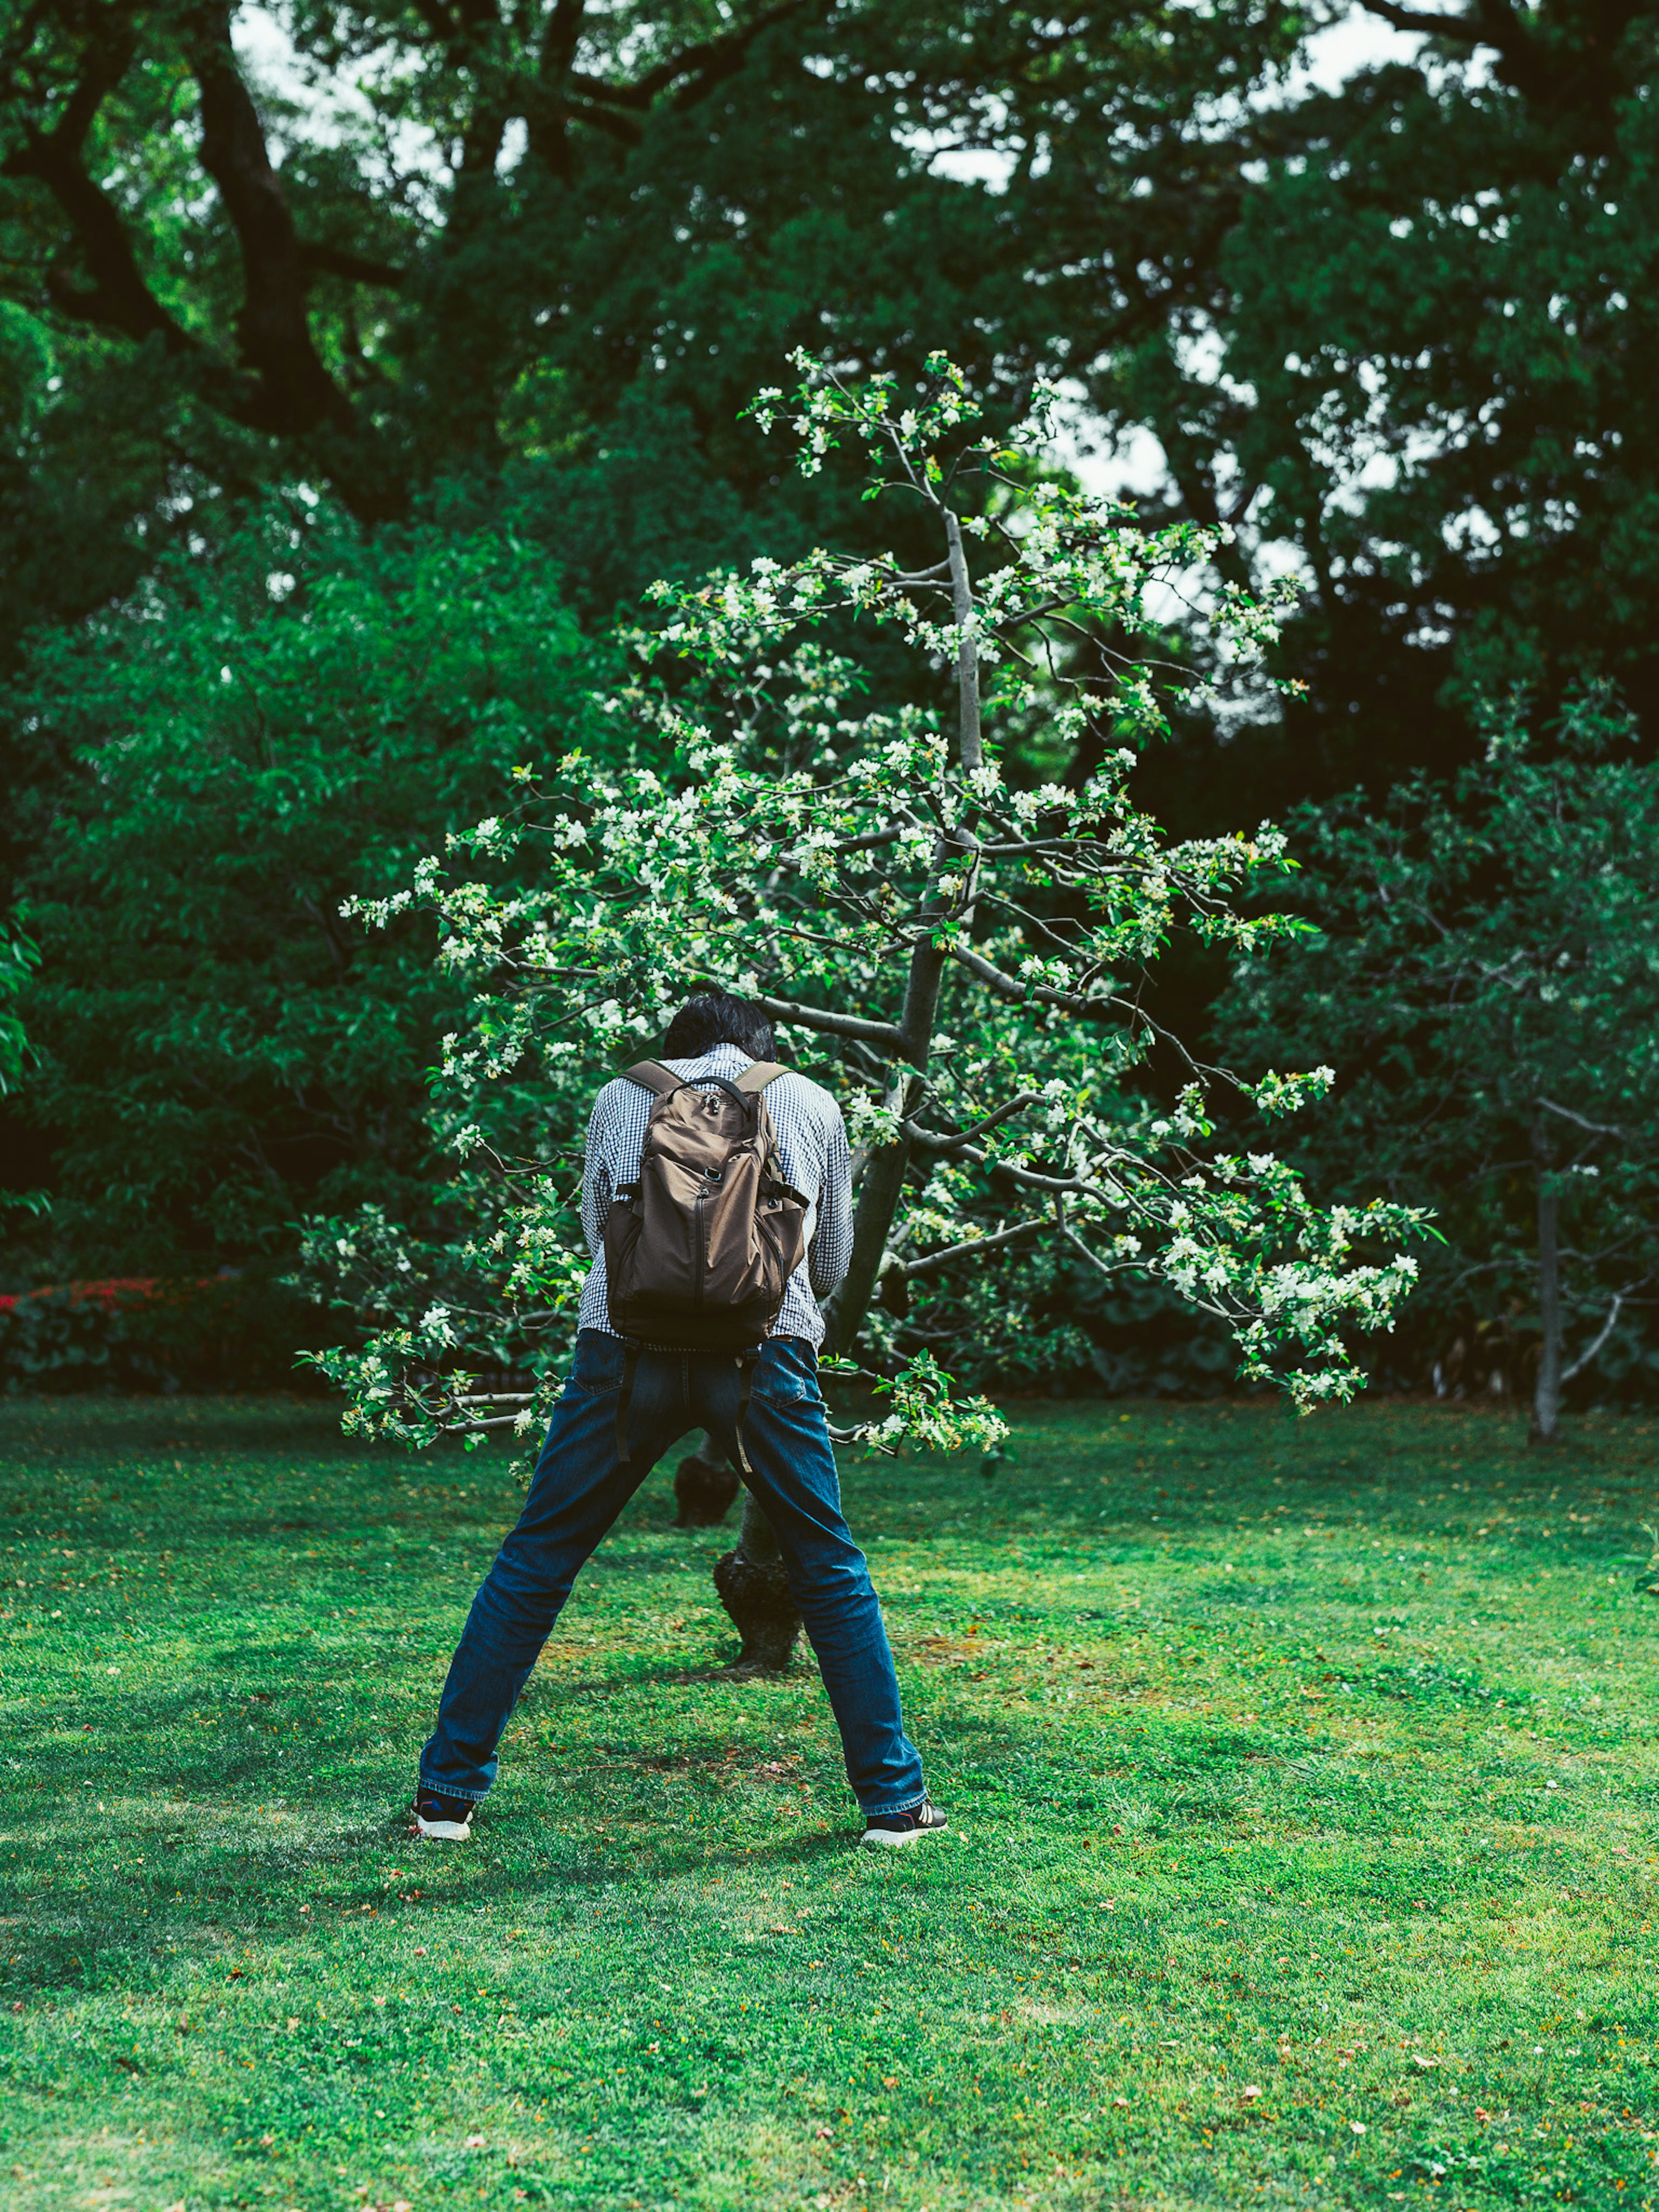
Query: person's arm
(830, 1253)
(596, 1173)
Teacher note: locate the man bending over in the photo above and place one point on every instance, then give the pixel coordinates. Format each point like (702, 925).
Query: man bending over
(623, 1405)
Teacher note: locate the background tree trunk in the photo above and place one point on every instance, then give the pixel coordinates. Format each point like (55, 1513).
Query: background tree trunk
(1547, 1394)
(752, 1587)
(705, 1484)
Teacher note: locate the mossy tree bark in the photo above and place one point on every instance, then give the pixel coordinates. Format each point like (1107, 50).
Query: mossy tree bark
(753, 1588)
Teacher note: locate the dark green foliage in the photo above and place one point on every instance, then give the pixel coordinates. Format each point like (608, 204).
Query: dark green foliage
(240, 1330)
(526, 243)
(19, 957)
(1415, 347)
(1485, 979)
(547, 255)
(522, 233)
(255, 741)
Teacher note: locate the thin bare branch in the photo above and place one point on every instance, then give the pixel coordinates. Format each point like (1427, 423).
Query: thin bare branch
(1587, 1356)
(828, 1024)
(931, 1262)
(1595, 1128)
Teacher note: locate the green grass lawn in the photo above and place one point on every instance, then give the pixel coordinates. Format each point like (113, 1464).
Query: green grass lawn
(1302, 1775)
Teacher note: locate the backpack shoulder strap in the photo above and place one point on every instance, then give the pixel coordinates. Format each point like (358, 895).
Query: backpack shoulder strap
(756, 1078)
(652, 1075)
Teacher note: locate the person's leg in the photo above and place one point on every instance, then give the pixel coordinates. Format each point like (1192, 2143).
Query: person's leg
(579, 1489)
(787, 1439)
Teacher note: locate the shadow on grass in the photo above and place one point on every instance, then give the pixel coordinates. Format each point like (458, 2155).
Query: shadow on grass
(63, 1943)
(89, 1425)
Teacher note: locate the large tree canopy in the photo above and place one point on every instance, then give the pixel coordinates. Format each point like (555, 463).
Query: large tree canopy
(535, 250)
(487, 228)
(1419, 362)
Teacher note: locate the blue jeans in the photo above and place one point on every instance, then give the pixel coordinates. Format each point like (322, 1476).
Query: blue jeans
(581, 1486)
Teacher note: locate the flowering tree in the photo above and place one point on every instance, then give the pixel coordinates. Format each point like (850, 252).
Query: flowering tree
(958, 952)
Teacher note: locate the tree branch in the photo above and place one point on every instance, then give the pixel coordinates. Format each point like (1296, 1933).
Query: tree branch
(932, 1261)
(971, 749)
(705, 64)
(886, 1034)
(1587, 1356)
(335, 261)
(547, 115)
(1595, 1128)
(560, 35)
(294, 392)
(117, 299)
(1106, 1266)
(1416, 19)
(1528, 65)
(931, 1142)
(1043, 994)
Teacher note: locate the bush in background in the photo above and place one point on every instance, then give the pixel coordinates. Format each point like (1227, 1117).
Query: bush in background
(237, 1331)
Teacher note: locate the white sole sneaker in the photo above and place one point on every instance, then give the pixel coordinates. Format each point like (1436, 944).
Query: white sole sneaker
(926, 1820)
(443, 1832)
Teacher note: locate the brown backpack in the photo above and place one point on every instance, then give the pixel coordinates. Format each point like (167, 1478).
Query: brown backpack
(699, 1248)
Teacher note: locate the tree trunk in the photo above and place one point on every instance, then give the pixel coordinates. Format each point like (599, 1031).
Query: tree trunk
(878, 1197)
(1547, 1394)
(705, 1484)
(970, 748)
(883, 1179)
(751, 1585)
(751, 1581)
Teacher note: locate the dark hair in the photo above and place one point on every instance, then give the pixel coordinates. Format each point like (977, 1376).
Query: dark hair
(716, 1017)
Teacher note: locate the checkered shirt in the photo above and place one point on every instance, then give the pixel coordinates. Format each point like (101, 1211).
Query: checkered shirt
(811, 1151)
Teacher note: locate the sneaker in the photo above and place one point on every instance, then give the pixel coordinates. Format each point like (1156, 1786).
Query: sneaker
(443, 1820)
(891, 1832)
